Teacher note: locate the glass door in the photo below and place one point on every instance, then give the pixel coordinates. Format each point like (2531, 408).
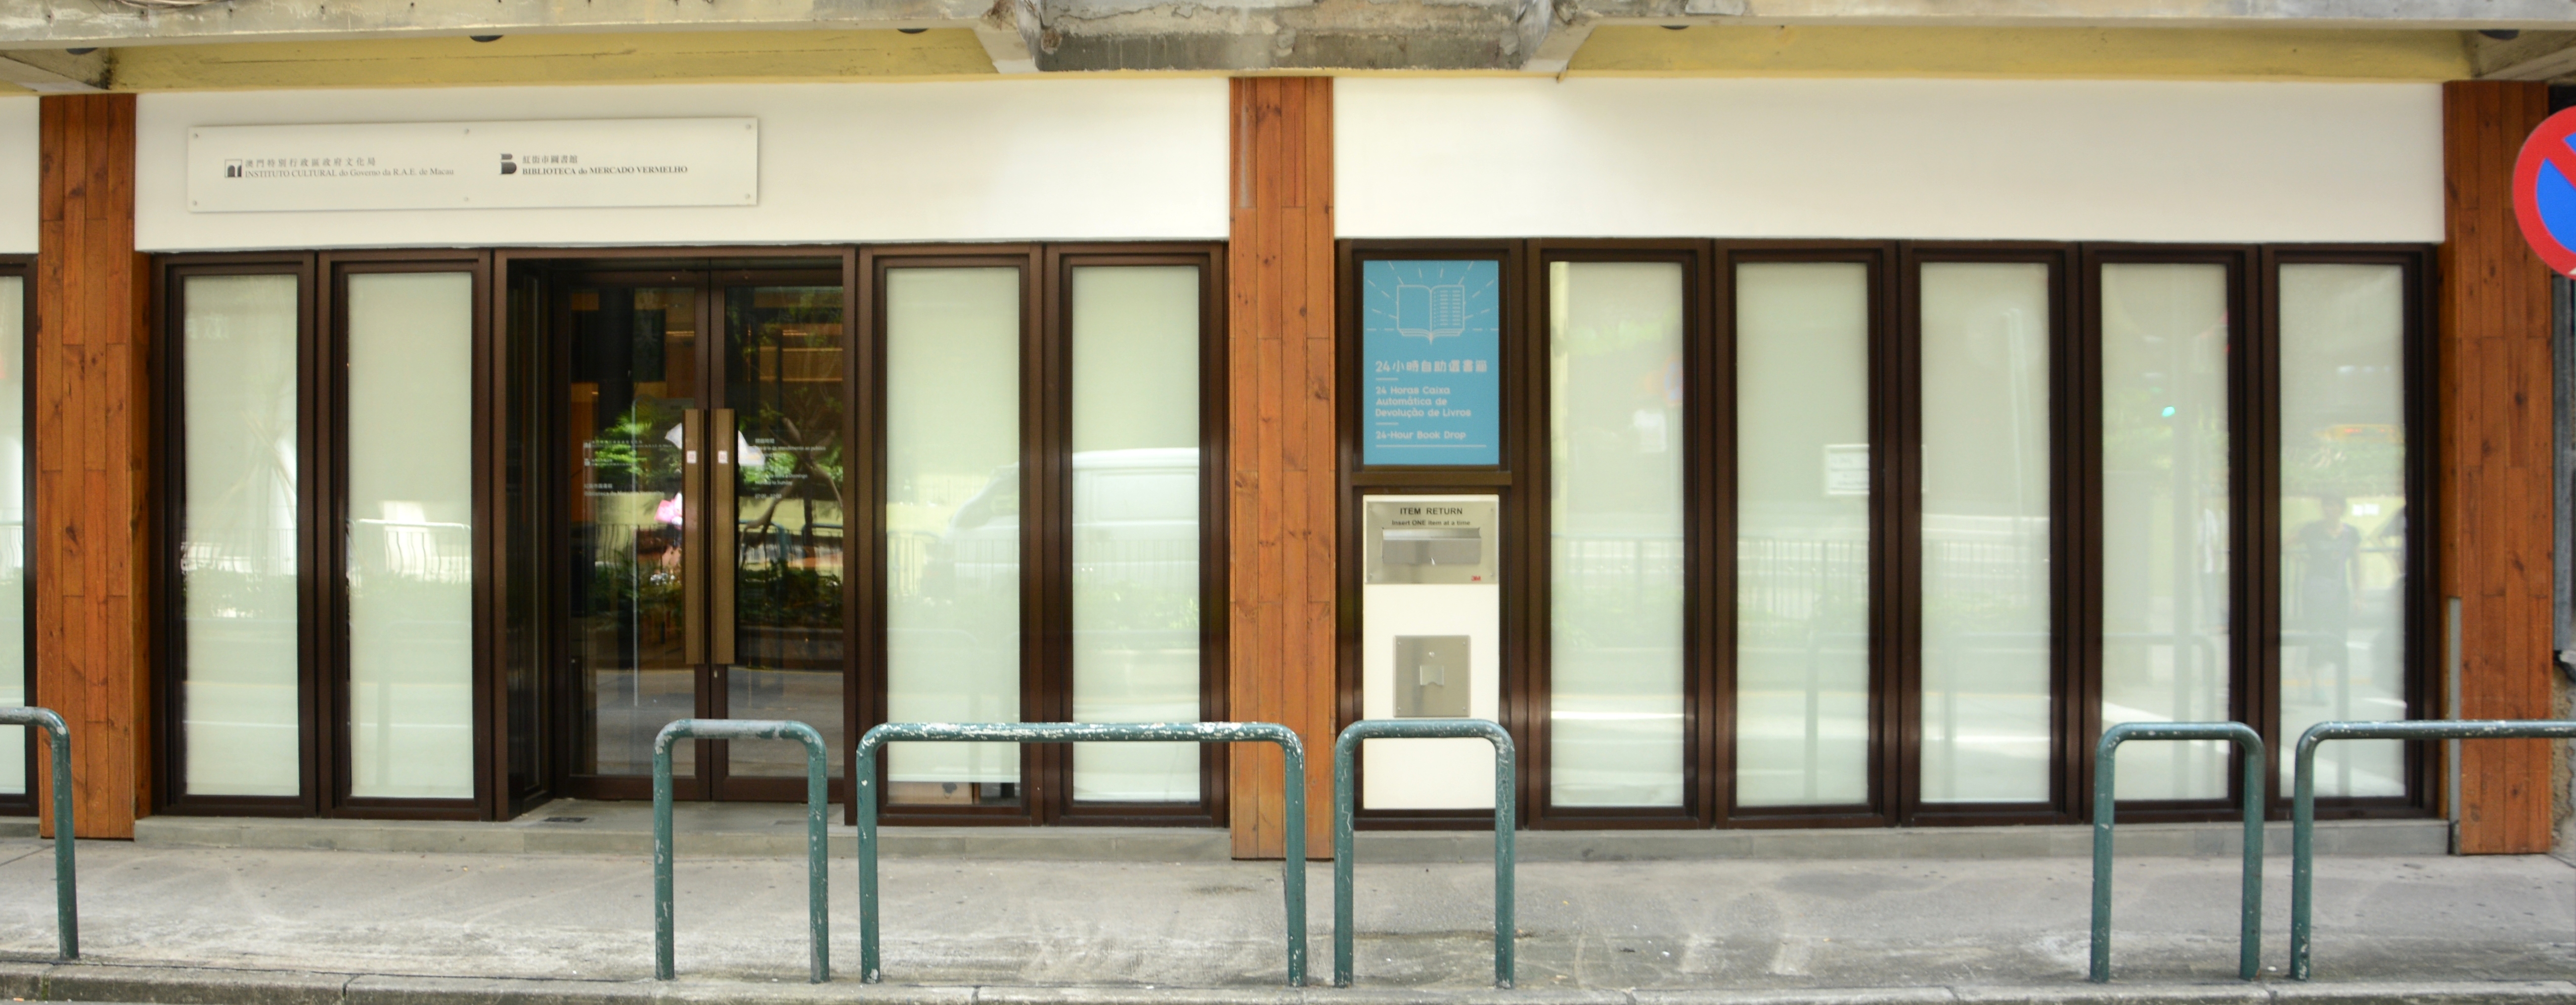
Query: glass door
(780, 502)
(706, 417)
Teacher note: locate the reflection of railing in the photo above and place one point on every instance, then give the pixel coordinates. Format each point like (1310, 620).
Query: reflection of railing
(907, 555)
(1784, 577)
(1160, 564)
(1998, 573)
(1789, 579)
(1600, 564)
(816, 545)
(420, 550)
(923, 564)
(228, 554)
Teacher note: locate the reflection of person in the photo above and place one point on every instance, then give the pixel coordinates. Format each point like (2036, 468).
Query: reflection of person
(2329, 553)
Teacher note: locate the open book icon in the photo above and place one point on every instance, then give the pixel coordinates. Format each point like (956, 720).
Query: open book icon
(1431, 312)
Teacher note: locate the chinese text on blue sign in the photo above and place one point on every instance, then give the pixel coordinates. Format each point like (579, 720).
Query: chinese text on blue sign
(1430, 346)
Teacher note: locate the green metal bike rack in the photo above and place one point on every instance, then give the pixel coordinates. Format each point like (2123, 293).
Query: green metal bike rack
(2303, 798)
(817, 797)
(1292, 766)
(66, 885)
(2249, 941)
(1346, 798)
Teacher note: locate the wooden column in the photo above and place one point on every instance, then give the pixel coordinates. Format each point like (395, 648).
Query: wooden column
(2495, 531)
(88, 544)
(1280, 269)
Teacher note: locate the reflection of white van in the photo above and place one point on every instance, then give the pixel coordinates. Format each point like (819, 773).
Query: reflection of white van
(1135, 519)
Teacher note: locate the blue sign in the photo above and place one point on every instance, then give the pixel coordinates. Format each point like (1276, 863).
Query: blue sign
(1431, 350)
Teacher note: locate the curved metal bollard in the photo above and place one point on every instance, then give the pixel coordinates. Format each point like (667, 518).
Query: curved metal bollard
(2303, 798)
(817, 797)
(1293, 766)
(2249, 940)
(66, 882)
(1346, 798)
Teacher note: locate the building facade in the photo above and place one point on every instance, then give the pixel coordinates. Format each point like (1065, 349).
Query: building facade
(1769, 429)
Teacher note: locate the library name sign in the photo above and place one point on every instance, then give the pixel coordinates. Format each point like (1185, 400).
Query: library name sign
(575, 163)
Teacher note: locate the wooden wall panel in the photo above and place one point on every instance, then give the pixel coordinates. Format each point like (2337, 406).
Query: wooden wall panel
(1280, 267)
(92, 297)
(2494, 488)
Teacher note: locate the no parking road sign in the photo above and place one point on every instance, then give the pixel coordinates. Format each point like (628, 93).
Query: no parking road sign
(2544, 191)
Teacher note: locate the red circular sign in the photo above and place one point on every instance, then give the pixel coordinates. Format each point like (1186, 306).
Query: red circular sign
(2544, 192)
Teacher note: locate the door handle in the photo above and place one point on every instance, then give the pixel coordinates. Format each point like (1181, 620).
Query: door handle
(693, 535)
(721, 560)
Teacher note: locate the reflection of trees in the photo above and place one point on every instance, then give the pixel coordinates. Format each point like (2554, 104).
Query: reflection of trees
(785, 387)
(1138, 605)
(2346, 467)
(630, 447)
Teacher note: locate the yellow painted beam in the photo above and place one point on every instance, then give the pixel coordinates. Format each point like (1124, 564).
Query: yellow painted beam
(643, 58)
(2061, 53)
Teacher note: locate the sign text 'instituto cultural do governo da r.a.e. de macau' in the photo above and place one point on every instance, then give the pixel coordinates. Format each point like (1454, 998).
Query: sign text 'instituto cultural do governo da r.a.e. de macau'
(474, 165)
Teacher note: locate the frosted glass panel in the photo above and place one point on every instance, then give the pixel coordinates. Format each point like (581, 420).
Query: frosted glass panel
(13, 527)
(1615, 534)
(2343, 516)
(1986, 624)
(2164, 519)
(237, 548)
(1802, 534)
(410, 535)
(1136, 525)
(952, 351)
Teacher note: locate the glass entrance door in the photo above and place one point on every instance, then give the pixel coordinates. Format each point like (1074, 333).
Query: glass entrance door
(706, 411)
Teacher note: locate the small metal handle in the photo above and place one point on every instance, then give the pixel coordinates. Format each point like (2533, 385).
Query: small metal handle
(721, 560)
(693, 534)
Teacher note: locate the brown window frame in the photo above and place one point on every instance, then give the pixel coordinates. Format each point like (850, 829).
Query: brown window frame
(2248, 622)
(2421, 613)
(321, 490)
(23, 268)
(1358, 481)
(1881, 258)
(330, 539)
(509, 422)
(1046, 579)
(2066, 498)
(169, 494)
(1703, 356)
(1896, 522)
(1214, 501)
(529, 426)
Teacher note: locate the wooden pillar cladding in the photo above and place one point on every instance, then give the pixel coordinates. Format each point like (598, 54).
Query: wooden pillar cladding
(1280, 268)
(92, 296)
(2495, 530)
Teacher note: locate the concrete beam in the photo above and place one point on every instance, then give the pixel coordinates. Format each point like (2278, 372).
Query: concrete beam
(49, 72)
(2533, 55)
(1325, 32)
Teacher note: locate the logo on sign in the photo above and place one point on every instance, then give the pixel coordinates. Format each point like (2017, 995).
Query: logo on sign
(2544, 192)
(507, 167)
(1431, 313)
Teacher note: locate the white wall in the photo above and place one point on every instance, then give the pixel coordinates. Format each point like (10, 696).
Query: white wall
(18, 176)
(1115, 159)
(2054, 160)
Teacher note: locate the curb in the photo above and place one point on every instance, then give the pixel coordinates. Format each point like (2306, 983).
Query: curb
(109, 982)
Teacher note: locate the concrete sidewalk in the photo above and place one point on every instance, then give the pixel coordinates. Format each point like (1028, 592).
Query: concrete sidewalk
(194, 924)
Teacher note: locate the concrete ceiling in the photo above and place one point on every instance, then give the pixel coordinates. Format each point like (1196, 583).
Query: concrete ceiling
(248, 43)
